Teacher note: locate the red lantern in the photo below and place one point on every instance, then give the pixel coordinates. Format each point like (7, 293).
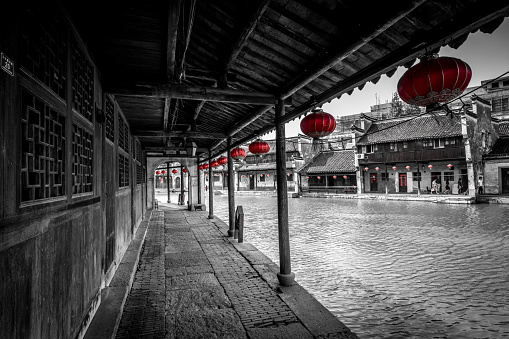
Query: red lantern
(344, 176)
(158, 172)
(434, 80)
(289, 174)
(318, 124)
(259, 147)
(394, 168)
(319, 177)
(238, 153)
(214, 163)
(174, 171)
(200, 167)
(334, 176)
(163, 172)
(250, 175)
(184, 170)
(205, 166)
(450, 165)
(367, 169)
(307, 177)
(222, 161)
(268, 175)
(377, 168)
(430, 166)
(408, 167)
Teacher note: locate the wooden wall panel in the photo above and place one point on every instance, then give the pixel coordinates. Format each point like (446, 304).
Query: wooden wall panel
(122, 221)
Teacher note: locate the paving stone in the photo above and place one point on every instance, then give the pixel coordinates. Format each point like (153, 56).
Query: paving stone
(205, 297)
(256, 257)
(199, 269)
(184, 262)
(175, 271)
(192, 281)
(206, 324)
(293, 331)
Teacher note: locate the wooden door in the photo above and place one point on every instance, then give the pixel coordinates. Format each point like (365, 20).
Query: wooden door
(373, 179)
(403, 182)
(251, 182)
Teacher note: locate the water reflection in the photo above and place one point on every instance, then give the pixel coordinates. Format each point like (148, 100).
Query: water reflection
(392, 269)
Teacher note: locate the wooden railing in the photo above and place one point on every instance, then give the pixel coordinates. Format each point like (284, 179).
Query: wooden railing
(435, 154)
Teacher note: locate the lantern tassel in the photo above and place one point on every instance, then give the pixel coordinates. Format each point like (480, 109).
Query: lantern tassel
(316, 145)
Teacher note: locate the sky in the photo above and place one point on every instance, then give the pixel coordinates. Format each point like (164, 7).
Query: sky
(486, 54)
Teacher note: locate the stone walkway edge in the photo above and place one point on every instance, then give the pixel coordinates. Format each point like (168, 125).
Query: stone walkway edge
(192, 281)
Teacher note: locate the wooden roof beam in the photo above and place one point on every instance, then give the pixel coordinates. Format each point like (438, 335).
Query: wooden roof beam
(179, 134)
(171, 47)
(189, 21)
(332, 59)
(245, 32)
(197, 93)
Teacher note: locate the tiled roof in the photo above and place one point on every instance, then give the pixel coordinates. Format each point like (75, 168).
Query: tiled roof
(292, 144)
(262, 167)
(331, 162)
(504, 128)
(439, 126)
(501, 148)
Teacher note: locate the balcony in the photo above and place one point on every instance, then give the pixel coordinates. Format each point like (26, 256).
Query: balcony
(412, 156)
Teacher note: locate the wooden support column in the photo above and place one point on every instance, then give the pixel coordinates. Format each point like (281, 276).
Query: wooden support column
(231, 190)
(199, 181)
(285, 276)
(181, 202)
(168, 180)
(211, 188)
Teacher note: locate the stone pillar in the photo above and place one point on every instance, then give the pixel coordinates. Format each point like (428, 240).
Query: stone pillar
(168, 178)
(231, 190)
(286, 277)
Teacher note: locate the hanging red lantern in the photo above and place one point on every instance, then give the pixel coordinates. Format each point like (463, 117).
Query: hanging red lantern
(367, 168)
(319, 177)
(335, 176)
(394, 168)
(449, 165)
(222, 161)
(377, 168)
(259, 147)
(243, 176)
(430, 166)
(408, 167)
(434, 80)
(307, 177)
(200, 167)
(238, 153)
(250, 175)
(214, 163)
(318, 124)
(174, 171)
(261, 175)
(205, 166)
(289, 174)
(268, 175)
(345, 176)
(184, 170)
(158, 172)
(163, 172)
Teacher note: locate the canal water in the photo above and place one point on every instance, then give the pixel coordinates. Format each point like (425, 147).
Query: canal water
(394, 269)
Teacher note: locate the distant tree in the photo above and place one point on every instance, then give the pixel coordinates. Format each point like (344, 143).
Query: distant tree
(400, 108)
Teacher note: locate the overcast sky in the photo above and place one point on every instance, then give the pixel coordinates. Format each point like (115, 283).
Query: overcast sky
(486, 54)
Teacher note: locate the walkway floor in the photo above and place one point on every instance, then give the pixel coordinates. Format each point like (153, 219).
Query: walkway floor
(195, 282)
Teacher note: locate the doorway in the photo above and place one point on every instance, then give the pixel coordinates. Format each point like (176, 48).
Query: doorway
(373, 180)
(437, 175)
(505, 180)
(403, 182)
(251, 182)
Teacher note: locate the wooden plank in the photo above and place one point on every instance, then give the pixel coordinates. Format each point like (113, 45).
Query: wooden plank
(191, 4)
(180, 134)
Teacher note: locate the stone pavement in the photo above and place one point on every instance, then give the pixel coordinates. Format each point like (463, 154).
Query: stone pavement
(195, 282)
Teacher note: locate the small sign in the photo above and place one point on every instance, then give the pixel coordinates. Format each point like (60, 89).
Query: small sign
(7, 65)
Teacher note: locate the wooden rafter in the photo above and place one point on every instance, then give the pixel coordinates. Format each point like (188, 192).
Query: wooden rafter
(332, 59)
(197, 93)
(188, 19)
(179, 134)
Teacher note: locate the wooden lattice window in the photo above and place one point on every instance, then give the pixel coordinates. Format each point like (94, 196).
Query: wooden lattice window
(83, 158)
(123, 135)
(82, 83)
(123, 171)
(44, 48)
(139, 174)
(43, 150)
(110, 120)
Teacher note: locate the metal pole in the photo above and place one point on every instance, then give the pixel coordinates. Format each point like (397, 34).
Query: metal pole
(286, 277)
(211, 188)
(231, 189)
(168, 180)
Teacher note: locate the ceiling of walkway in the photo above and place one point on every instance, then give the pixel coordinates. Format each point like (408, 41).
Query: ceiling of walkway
(186, 70)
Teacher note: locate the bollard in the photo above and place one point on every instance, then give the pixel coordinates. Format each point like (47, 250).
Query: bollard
(239, 225)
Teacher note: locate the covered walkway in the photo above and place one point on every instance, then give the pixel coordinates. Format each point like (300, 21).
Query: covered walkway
(192, 281)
